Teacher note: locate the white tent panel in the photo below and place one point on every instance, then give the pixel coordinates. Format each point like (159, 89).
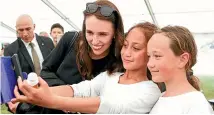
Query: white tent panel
(179, 6)
(205, 60)
(196, 15)
(130, 21)
(195, 22)
(132, 12)
(131, 15)
(42, 15)
(6, 36)
(72, 9)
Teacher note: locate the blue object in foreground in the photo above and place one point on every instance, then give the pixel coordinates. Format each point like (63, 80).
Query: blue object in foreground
(8, 79)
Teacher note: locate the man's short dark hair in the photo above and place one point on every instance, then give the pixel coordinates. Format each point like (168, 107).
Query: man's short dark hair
(57, 25)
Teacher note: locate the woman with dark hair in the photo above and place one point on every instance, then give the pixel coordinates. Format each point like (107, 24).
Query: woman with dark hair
(95, 49)
(131, 91)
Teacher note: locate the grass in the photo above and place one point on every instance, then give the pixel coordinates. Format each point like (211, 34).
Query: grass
(3, 110)
(207, 85)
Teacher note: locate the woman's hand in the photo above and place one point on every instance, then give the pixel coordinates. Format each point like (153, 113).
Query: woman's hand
(41, 96)
(12, 106)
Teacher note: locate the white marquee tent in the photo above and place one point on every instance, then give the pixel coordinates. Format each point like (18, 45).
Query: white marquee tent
(197, 15)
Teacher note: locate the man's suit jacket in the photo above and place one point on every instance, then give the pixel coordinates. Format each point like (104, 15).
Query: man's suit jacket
(17, 47)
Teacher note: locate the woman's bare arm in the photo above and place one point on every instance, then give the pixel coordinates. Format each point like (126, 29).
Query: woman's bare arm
(64, 90)
(82, 105)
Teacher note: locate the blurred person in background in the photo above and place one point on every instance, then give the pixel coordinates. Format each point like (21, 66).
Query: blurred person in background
(2, 50)
(43, 33)
(3, 46)
(56, 33)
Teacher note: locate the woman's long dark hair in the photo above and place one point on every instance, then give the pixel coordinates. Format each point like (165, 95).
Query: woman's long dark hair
(83, 49)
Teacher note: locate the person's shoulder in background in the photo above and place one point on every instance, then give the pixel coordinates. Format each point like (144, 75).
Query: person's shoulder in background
(12, 48)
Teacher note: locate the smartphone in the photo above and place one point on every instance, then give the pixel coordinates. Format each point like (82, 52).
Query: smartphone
(17, 66)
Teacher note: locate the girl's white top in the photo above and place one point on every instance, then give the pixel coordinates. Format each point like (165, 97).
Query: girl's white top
(32, 79)
(119, 98)
(188, 103)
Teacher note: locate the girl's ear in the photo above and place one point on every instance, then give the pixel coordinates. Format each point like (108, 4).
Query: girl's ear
(184, 58)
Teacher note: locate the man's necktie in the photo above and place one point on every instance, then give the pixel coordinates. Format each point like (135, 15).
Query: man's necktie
(35, 59)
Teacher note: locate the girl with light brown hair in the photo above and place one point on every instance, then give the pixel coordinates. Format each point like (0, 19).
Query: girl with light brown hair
(172, 53)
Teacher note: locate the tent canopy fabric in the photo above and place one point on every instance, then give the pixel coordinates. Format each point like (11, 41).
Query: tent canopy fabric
(197, 15)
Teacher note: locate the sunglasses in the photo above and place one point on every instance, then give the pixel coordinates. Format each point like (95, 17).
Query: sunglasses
(104, 10)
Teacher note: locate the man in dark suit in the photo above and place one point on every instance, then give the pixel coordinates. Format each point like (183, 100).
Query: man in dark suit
(31, 49)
